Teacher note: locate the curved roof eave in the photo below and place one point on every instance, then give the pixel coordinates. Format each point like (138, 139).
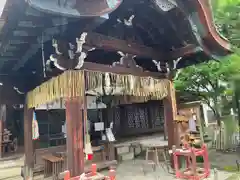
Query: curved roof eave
(206, 17)
(200, 15)
(77, 9)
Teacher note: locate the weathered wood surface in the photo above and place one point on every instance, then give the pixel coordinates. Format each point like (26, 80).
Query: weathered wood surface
(80, 8)
(170, 113)
(75, 154)
(113, 44)
(43, 151)
(8, 95)
(212, 35)
(3, 114)
(120, 70)
(28, 142)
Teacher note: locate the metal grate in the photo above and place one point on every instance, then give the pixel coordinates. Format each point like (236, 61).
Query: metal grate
(157, 116)
(137, 118)
(130, 117)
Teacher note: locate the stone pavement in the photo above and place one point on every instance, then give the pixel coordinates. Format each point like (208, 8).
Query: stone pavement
(222, 160)
(128, 170)
(134, 171)
(10, 168)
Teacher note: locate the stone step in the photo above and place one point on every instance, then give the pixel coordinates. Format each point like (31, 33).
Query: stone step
(14, 178)
(126, 156)
(207, 139)
(10, 173)
(123, 150)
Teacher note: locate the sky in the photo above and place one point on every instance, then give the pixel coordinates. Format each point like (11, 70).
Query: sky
(2, 3)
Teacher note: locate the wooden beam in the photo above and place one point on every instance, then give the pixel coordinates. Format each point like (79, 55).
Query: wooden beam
(3, 113)
(21, 33)
(16, 41)
(2, 61)
(11, 14)
(12, 47)
(108, 68)
(28, 143)
(120, 70)
(8, 53)
(5, 58)
(81, 8)
(75, 139)
(26, 32)
(114, 44)
(184, 51)
(34, 48)
(170, 113)
(8, 95)
(31, 12)
(33, 22)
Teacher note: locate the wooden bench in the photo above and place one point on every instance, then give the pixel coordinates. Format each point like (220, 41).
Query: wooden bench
(43, 151)
(52, 166)
(39, 162)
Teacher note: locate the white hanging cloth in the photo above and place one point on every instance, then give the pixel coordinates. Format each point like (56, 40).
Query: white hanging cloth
(192, 125)
(35, 129)
(64, 129)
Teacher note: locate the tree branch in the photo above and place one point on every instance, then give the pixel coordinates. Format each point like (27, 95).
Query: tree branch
(208, 80)
(206, 100)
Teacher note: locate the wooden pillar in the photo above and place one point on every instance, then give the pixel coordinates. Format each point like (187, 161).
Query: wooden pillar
(3, 110)
(74, 118)
(28, 142)
(170, 112)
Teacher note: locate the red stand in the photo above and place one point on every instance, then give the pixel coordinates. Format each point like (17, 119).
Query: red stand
(192, 171)
(94, 170)
(112, 174)
(67, 175)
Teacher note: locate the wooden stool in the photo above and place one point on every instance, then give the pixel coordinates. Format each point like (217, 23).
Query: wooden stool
(133, 147)
(155, 154)
(148, 161)
(167, 160)
(52, 166)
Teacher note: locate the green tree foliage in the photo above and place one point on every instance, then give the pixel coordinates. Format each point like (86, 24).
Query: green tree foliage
(227, 19)
(209, 81)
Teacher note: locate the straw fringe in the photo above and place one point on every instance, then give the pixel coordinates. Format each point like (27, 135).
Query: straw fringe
(131, 85)
(70, 84)
(66, 85)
